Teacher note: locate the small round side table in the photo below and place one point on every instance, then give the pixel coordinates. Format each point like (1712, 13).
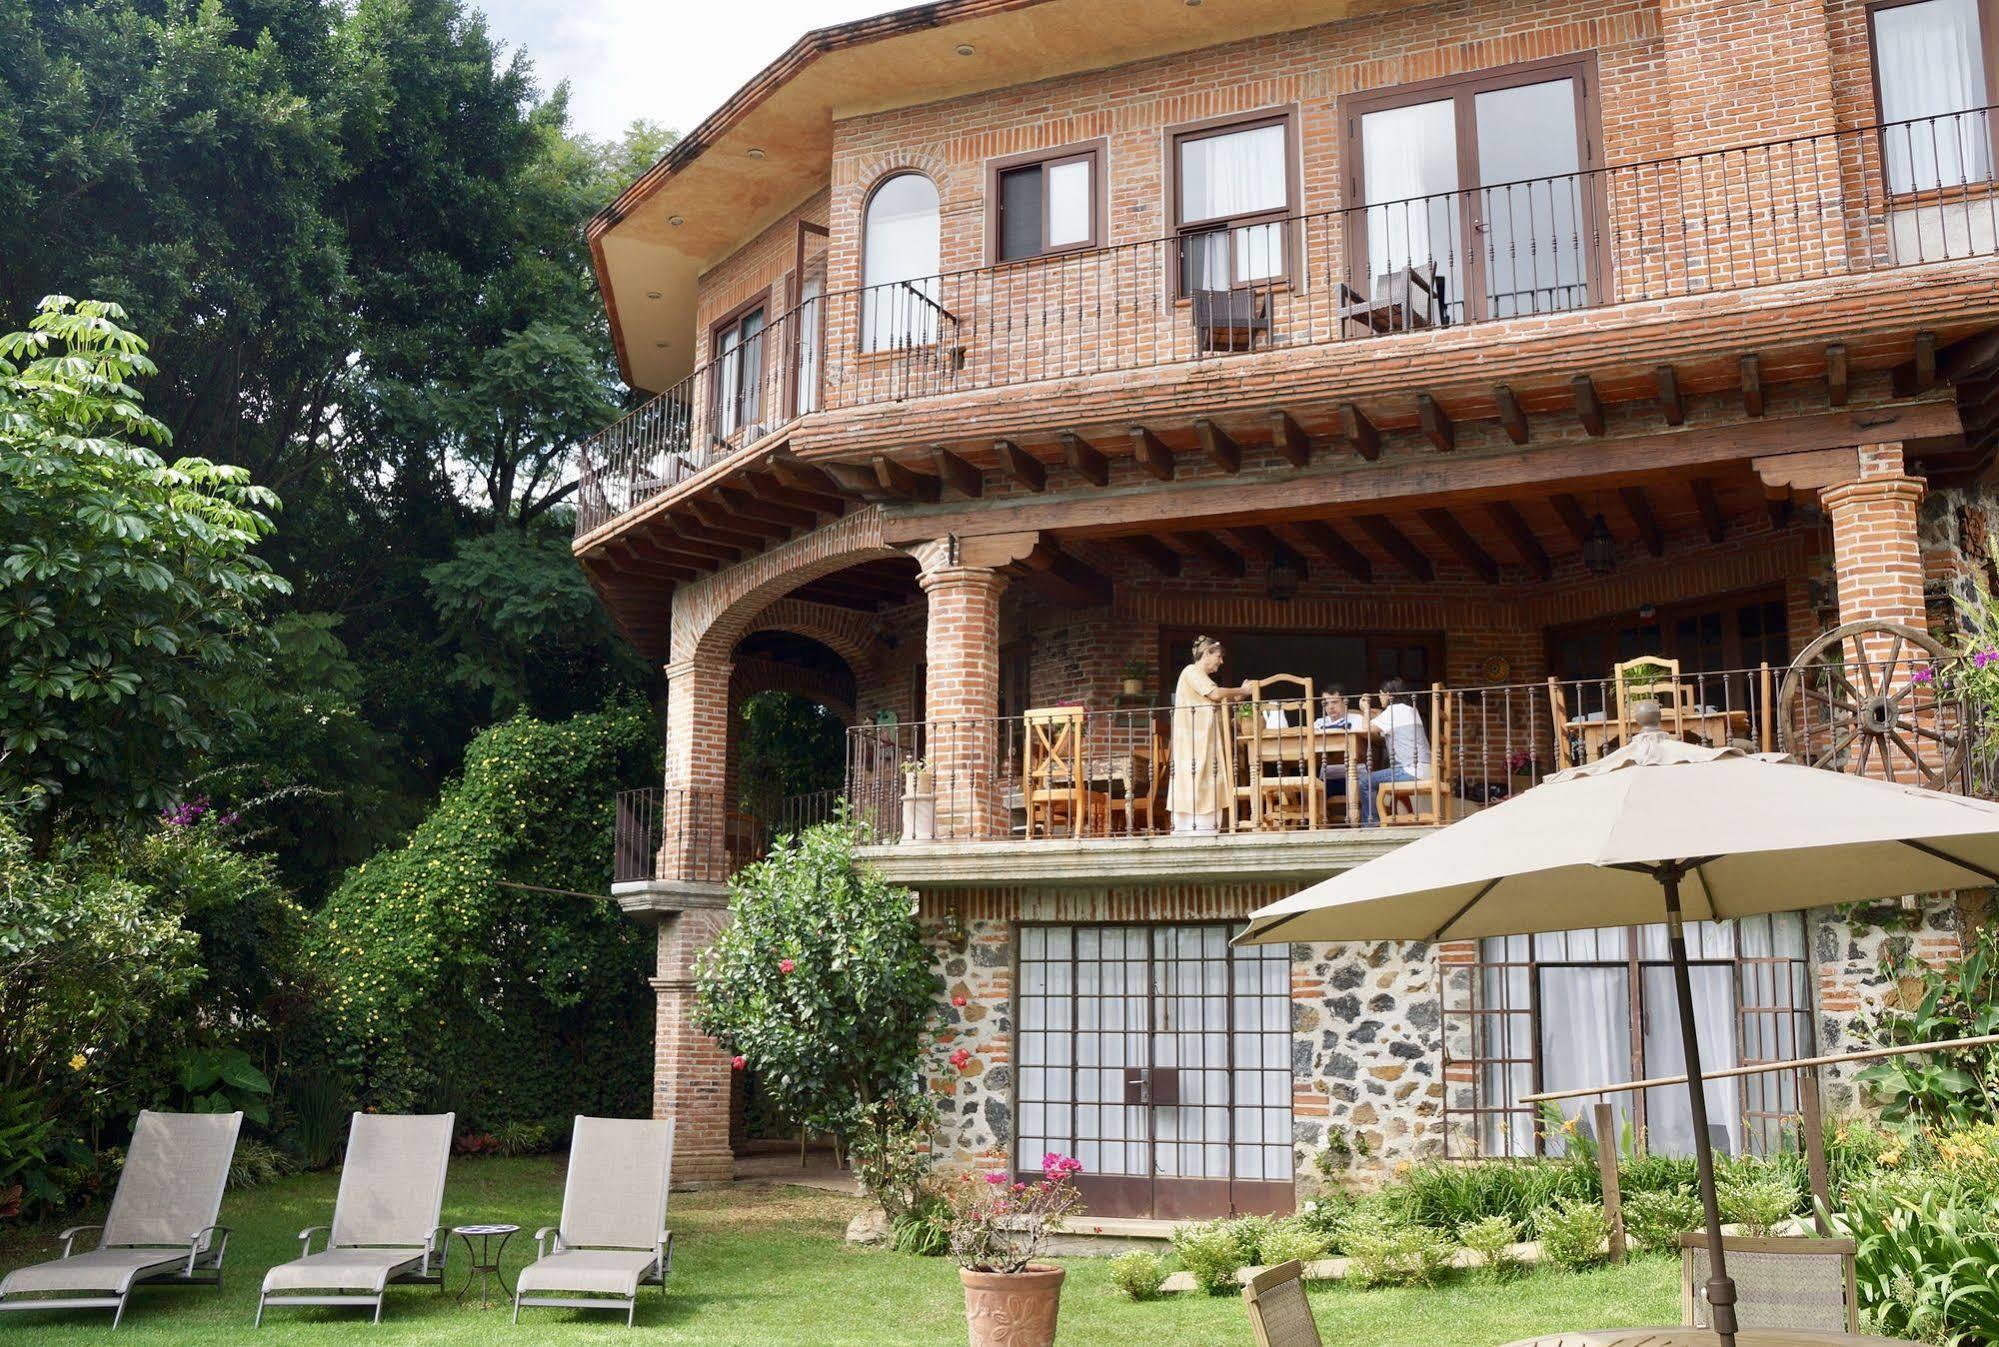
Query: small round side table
(485, 1258)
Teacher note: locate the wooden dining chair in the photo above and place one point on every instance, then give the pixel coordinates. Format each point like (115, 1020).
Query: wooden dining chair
(1054, 787)
(1785, 1282)
(1437, 787)
(1283, 783)
(1140, 804)
(1279, 1314)
(1665, 687)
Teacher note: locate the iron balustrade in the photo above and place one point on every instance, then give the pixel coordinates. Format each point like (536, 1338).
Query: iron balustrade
(1811, 207)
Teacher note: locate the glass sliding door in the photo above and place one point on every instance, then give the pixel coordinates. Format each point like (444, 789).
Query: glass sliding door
(1530, 218)
(1415, 208)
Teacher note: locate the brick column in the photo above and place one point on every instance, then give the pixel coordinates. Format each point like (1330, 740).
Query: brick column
(692, 840)
(692, 1079)
(962, 695)
(1877, 559)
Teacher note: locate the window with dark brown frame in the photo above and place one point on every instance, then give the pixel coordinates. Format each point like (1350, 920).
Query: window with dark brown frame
(1045, 202)
(1934, 85)
(737, 346)
(1233, 184)
(1483, 180)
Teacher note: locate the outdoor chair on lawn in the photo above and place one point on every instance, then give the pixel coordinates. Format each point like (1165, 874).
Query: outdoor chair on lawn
(1279, 1314)
(161, 1226)
(1783, 1282)
(613, 1237)
(385, 1228)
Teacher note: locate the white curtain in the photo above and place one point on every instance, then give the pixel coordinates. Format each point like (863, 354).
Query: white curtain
(1932, 71)
(1669, 1126)
(1069, 200)
(899, 264)
(811, 311)
(1222, 177)
(1409, 158)
(1585, 1038)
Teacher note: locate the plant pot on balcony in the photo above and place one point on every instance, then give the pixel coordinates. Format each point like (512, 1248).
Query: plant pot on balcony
(1134, 687)
(919, 812)
(1012, 1309)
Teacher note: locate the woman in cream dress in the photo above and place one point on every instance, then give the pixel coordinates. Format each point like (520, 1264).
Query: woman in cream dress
(1202, 781)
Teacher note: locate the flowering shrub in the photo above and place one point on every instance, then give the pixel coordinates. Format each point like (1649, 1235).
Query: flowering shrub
(1000, 1225)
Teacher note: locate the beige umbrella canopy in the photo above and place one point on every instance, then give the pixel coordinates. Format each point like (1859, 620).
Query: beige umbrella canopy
(1658, 829)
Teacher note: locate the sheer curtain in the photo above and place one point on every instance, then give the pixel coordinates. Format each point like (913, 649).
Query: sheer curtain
(1225, 176)
(899, 264)
(1669, 1120)
(1410, 179)
(1932, 71)
(1585, 1038)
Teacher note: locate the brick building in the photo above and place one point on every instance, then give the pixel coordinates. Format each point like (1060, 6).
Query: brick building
(988, 352)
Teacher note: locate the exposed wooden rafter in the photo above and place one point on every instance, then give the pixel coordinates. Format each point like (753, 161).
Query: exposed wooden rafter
(1639, 508)
(1289, 439)
(1152, 552)
(958, 473)
(1020, 465)
(1709, 506)
(902, 481)
(1589, 407)
(1666, 389)
(1752, 385)
(1573, 516)
(1520, 535)
(1390, 539)
(1318, 536)
(1452, 534)
(1151, 454)
(1437, 424)
(1216, 552)
(1360, 432)
(1836, 374)
(1085, 459)
(1061, 572)
(1512, 416)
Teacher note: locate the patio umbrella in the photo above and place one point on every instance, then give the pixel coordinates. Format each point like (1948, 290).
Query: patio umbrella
(1660, 827)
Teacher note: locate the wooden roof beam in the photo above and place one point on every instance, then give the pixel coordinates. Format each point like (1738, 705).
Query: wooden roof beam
(1508, 519)
(1836, 388)
(1573, 516)
(1640, 509)
(1216, 552)
(903, 482)
(1257, 541)
(1751, 367)
(1512, 417)
(1452, 534)
(1020, 465)
(1219, 445)
(1152, 552)
(851, 479)
(1360, 432)
(1393, 541)
(1317, 536)
(749, 505)
(1437, 424)
(1289, 439)
(1085, 459)
(1084, 581)
(1666, 389)
(1709, 506)
(1589, 406)
(958, 473)
(1151, 454)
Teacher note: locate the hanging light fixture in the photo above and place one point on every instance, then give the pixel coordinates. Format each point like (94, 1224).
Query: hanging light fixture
(1599, 548)
(1287, 571)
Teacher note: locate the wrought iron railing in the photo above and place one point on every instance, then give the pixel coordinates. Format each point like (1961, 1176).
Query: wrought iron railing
(686, 833)
(1806, 208)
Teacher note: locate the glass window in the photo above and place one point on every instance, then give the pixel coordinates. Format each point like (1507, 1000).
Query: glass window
(900, 259)
(1046, 207)
(1227, 180)
(1929, 59)
(739, 375)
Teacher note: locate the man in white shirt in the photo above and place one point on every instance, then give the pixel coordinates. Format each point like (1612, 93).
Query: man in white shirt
(1334, 715)
(1405, 745)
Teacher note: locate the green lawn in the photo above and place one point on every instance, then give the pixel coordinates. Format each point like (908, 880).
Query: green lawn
(761, 1265)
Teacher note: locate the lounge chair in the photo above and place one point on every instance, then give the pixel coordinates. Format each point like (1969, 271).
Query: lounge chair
(385, 1231)
(613, 1237)
(161, 1226)
(1279, 1314)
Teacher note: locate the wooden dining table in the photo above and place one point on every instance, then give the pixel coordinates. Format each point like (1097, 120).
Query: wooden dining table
(1703, 1337)
(1347, 747)
(1713, 727)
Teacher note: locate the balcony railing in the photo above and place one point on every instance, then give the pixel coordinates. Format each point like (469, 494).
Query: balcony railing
(1071, 773)
(1836, 204)
(687, 833)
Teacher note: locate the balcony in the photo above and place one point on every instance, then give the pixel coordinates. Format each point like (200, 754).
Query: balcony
(1846, 204)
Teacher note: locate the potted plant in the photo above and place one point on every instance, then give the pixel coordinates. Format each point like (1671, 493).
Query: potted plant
(919, 801)
(1523, 769)
(998, 1227)
(1134, 674)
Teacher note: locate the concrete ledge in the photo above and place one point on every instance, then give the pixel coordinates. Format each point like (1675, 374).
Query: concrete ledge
(1059, 861)
(649, 900)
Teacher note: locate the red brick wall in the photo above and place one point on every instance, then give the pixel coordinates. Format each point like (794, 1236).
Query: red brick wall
(763, 266)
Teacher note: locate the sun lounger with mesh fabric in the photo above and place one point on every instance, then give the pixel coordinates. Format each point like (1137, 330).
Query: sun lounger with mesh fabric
(613, 1237)
(161, 1226)
(384, 1230)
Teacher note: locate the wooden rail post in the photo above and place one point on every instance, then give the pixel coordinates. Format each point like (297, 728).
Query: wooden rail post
(1811, 1120)
(1606, 1163)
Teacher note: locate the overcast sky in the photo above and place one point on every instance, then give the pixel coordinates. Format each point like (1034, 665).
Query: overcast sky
(672, 61)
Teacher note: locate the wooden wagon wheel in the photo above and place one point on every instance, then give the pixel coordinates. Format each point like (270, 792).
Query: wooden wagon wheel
(1880, 714)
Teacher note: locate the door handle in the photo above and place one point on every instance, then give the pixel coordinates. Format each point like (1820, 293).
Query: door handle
(1137, 1085)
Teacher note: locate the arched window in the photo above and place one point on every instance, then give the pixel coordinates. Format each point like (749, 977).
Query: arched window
(899, 263)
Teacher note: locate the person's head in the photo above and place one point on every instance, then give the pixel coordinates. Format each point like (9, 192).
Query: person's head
(1393, 691)
(1333, 700)
(1207, 654)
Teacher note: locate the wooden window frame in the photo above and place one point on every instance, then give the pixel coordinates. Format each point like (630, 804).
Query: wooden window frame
(1988, 32)
(716, 330)
(1095, 153)
(1207, 129)
(1463, 90)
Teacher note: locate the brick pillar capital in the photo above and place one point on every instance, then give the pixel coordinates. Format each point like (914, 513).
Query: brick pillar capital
(1890, 491)
(956, 577)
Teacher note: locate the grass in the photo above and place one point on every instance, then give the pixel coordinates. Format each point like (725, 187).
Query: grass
(765, 1264)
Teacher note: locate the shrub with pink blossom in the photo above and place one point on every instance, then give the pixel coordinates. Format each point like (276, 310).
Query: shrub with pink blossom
(1001, 1224)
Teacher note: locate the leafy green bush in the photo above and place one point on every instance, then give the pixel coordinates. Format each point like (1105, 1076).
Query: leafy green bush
(1445, 1195)
(1213, 1253)
(258, 1162)
(821, 981)
(1138, 1274)
(524, 1138)
(456, 979)
(317, 1104)
(1573, 1233)
(1384, 1250)
(222, 1080)
(1923, 1261)
(1655, 1220)
(890, 1154)
(924, 1226)
(1491, 1238)
(1292, 1238)
(1955, 1087)
(1757, 1197)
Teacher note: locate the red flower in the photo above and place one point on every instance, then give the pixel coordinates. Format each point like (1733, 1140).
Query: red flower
(785, 965)
(958, 1001)
(960, 1058)
(737, 1063)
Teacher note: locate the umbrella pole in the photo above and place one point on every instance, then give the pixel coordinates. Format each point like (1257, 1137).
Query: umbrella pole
(1720, 1287)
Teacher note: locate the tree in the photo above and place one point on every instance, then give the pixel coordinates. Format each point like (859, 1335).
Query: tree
(128, 617)
(790, 746)
(821, 982)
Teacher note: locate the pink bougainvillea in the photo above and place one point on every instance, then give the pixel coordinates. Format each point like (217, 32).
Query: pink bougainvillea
(785, 965)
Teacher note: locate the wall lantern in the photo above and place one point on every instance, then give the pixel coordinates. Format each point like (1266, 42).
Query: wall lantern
(1599, 548)
(1287, 571)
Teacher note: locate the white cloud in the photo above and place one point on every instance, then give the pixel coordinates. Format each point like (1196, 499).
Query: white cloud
(672, 61)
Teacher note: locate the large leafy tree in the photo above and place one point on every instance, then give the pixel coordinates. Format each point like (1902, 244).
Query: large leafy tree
(129, 591)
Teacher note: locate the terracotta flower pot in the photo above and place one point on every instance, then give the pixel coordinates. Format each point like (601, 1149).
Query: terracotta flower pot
(1012, 1309)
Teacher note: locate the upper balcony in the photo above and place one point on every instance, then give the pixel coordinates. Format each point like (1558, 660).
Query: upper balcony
(1877, 206)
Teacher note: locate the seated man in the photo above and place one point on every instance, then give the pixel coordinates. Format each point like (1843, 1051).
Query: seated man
(1334, 715)
(1405, 745)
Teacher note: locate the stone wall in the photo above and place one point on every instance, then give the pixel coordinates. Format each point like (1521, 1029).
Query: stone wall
(1867, 960)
